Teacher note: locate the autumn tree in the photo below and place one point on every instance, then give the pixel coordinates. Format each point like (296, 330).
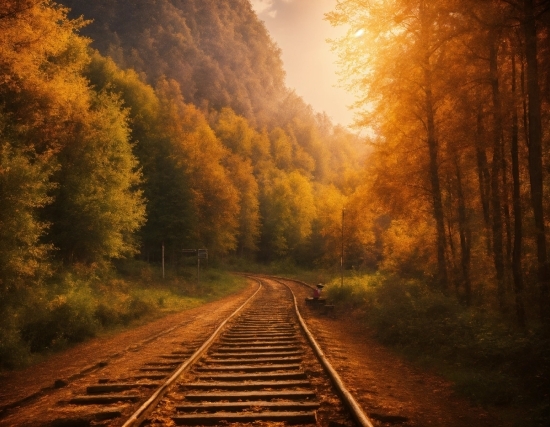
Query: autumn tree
(327, 226)
(402, 46)
(445, 90)
(245, 145)
(535, 151)
(220, 53)
(51, 110)
(197, 151)
(288, 210)
(165, 185)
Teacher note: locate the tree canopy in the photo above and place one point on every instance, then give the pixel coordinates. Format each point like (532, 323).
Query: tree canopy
(169, 125)
(455, 93)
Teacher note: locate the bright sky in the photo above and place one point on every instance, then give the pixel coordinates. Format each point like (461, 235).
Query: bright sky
(299, 29)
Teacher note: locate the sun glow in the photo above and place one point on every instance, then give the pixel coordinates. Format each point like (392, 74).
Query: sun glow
(359, 32)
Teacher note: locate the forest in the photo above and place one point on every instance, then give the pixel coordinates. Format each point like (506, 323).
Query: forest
(456, 185)
(129, 130)
(127, 127)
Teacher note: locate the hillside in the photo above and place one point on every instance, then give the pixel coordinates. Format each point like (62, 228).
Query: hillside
(219, 52)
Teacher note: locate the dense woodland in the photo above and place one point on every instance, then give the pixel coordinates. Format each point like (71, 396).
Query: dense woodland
(130, 126)
(456, 187)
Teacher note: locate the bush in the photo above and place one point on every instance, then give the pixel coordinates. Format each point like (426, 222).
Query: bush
(14, 352)
(138, 308)
(355, 293)
(66, 319)
(79, 303)
(107, 315)
(488, 359)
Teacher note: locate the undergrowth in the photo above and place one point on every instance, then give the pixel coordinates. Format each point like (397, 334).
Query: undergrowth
(489, 360)
(84, 302)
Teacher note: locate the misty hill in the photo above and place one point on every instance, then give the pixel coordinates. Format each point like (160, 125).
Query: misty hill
(218, 51)
(221, 55)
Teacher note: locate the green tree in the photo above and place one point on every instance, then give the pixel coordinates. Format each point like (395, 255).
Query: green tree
(166, 188)
(98, 207)
(24, 187)
(288, 211)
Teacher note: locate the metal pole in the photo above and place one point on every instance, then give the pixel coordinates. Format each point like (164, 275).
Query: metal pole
(342, 251)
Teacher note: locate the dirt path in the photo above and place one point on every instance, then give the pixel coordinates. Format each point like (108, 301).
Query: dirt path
(392, 391)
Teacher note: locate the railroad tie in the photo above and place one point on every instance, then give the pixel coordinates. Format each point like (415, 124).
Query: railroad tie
(253, 373)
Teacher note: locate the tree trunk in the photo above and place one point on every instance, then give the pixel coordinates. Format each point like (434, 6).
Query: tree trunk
(516, 202)
(436, 193)
(484, 179)
(433, 148)
(465, 237)
(451, 261)
(506, 210)
(498, 255)
(535, 152)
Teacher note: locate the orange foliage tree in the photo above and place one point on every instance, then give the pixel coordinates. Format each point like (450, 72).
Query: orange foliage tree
(451, 93)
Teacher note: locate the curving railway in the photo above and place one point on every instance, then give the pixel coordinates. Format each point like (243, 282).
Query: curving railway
(260, 365)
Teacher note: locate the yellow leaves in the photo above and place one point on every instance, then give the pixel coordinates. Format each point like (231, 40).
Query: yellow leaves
(41, 63)
(329, 203)
(407, 248)
(36, 36)
(303, 207)
(281, 148)
(241, 174)
(288, 210)
(23, 188)
(234, 132)
(200, 155)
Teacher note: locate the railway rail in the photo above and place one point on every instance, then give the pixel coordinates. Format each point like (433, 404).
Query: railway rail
(260, 365)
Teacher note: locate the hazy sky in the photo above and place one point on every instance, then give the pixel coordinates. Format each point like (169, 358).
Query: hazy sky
(299, 29)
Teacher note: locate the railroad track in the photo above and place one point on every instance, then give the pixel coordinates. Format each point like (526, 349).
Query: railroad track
(259, 365)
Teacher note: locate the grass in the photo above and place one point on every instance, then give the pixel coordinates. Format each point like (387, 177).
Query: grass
(488, 359)
(85, 302)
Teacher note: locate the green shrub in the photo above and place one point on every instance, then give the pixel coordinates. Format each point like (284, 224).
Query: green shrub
(79, 303)
(139, 307)
(65, 319)
(107, 315)
(486, 387)
(14, 352)
(355, 293)
(488, 359)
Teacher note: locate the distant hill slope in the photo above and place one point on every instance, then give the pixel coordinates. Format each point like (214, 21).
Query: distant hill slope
(218, 51)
